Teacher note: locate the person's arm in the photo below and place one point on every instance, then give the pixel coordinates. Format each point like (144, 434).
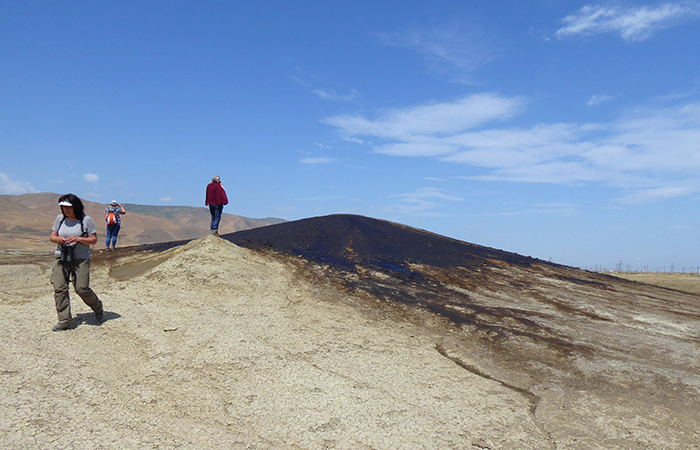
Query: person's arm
(89, 240)
(223, 194)
(123, 210)
(56, 239)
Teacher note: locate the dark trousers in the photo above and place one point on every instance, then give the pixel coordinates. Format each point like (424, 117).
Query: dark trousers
(215, 211)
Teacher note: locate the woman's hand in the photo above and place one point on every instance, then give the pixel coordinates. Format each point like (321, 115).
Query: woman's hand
(90, 240)
(56, 239)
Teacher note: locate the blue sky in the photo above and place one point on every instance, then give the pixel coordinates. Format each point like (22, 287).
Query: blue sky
(564, 130)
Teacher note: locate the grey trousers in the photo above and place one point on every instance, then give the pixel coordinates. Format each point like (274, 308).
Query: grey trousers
(81, 284)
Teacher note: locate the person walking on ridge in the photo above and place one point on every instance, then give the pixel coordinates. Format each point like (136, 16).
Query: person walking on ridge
(216, 199)
(114, 222)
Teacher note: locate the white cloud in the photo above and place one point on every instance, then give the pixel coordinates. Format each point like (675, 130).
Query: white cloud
(94, 196)
(662, 193)
(598, 99)
(320, 199)
(633, 23)
(310, 80)
(646, 148)
(166, 199)
(334, 96)
(420, 201)
(10, 187)
(461, 115)
(450, 50)
(426, 193)
(556, 209)
(678, 95)
(352, 139)
(91, 177)
(555, 172)
(320, 160)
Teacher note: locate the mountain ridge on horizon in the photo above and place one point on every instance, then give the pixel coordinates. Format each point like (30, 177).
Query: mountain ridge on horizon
(26, 220)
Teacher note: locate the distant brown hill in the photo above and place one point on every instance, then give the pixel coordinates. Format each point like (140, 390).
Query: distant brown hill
(25, 222)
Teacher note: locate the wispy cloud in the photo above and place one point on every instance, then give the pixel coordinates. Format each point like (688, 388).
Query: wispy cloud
(420, 201)
(320, 160)
(632, 23)
(326, 94)
(679, 95)
(320, 199)
(166, 199)
(643, 149)
(322, 88)
(12, 187)
(435, 119)
(662, 193)
(91, 177)
(450, 50)
(598, 99)
(553, 209)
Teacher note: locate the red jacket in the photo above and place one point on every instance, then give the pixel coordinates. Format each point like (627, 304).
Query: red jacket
(216, 195)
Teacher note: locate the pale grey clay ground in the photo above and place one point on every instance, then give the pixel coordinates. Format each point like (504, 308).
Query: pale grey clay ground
(213, 346)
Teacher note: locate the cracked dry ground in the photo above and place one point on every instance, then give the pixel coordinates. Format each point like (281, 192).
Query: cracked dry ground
(214, 346)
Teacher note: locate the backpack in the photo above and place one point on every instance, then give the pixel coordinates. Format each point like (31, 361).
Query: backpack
(111, 218)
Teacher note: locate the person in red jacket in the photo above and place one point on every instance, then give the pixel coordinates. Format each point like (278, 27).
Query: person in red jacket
(216, 199)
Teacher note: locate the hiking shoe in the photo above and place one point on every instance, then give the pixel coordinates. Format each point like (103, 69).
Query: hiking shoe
(99, 314)
(60, 326)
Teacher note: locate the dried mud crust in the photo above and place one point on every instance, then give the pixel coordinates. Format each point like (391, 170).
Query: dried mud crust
(210, 345)
(216, 346)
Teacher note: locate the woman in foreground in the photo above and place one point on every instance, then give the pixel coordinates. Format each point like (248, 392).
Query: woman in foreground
(74, 232)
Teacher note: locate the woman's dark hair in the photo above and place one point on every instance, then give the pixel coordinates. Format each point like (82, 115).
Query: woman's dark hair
(78, 208)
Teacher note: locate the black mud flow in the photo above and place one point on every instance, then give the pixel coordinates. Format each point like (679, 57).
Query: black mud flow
(346, 240)
(397, 263)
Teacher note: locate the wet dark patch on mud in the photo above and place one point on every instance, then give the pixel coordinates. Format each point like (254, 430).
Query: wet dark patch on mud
(423, 270)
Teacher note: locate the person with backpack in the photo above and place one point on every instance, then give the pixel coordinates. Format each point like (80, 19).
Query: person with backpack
(74, 232)
(216, 199)
(114, 222)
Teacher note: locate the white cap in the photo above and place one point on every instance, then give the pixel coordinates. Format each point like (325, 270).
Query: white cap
(65, 203)
(114, 202)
